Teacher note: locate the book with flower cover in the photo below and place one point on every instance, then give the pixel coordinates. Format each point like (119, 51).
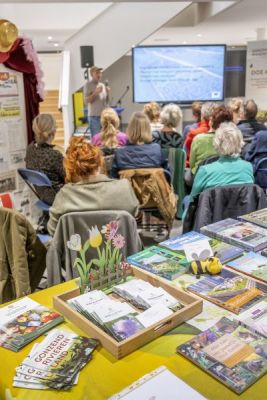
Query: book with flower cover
(224, 251)
(244, 234)
(251, 264)
(230, 290)
(23, 321)
(230, 352)
(258, 217)
(159, 261)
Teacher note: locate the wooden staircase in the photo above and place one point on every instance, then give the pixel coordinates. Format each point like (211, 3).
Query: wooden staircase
(50, 105)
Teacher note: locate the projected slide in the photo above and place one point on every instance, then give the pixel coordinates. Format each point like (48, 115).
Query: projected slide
(178, 73)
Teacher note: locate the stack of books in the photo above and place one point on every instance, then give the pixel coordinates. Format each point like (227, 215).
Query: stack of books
(232, 353)
(256, 217)
(55, 362)
(244, 234)
(224, 251)
(160, 261)
(23, 321)
(251, 264)
(230, 290)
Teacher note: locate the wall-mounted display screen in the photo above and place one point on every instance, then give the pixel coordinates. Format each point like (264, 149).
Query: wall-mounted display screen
(180, 74)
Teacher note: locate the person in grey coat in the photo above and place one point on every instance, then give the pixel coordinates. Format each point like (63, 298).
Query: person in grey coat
(87, 189)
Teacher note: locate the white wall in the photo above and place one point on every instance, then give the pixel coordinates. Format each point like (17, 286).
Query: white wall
(51, 64)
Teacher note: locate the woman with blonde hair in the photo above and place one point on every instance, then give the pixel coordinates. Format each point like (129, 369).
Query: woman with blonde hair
(236, 105)
(171, 117)
(86, 188)
(140, 151)
(43, 156)
(109, 138)
(152, 110)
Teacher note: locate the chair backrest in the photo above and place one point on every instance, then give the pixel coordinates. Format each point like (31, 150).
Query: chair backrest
(176, 158)
(60, 258)
(260, 173)
(222, 202)
(152, 190)
(35, 179)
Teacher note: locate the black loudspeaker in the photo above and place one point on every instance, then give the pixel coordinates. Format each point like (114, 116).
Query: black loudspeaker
(235, 73)
(87, 56)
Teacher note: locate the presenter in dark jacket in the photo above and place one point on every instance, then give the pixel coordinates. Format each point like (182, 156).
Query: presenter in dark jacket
(140, 152)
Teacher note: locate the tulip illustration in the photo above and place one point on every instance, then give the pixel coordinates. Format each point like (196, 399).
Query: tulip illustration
(95, 237)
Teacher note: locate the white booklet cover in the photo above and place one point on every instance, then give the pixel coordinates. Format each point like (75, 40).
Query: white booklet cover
(154, 314)
(160, 384)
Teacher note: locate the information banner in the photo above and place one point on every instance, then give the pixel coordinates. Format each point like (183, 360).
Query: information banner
(256, 76)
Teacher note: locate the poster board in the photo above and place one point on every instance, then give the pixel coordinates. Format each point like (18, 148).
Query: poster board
(256, 77)
(13, 141)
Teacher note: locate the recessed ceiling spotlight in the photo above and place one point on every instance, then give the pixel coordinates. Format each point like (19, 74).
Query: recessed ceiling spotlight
(56, 44)
(49, 37)
(199, 35)
(184, 42)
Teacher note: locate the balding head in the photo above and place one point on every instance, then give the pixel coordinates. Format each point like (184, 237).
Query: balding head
(250, 110)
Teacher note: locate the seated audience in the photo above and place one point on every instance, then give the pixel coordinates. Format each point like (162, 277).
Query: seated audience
(196, 111)
(152, 110)
(202, 146)
(236, 105)
(258, 147)
(87, 189)
(203, 127)
(43, 156)
(168, 136)
(109, 138)
(230, 169)
(248, 125)
(140, 152)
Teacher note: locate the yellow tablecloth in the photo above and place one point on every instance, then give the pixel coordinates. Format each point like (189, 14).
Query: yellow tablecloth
(105, 375)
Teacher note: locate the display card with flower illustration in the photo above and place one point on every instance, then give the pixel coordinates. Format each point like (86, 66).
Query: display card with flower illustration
(105, 246)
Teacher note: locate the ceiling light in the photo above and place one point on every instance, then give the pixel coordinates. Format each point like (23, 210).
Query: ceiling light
(184, 42)
(199, 35)
(56, 44)
(50, 37)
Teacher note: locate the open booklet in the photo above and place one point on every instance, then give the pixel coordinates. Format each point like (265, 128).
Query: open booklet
(160, 384)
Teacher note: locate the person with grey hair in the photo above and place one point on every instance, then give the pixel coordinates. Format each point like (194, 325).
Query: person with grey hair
(171, 118)
(248, 125)
(230, 169)
(203, 127)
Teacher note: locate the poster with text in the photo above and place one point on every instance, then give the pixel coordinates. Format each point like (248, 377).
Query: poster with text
(256, 76)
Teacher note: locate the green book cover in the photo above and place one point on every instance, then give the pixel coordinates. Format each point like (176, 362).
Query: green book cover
(160, 261)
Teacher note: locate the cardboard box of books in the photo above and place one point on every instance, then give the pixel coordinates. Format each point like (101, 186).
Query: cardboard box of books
(131, 313)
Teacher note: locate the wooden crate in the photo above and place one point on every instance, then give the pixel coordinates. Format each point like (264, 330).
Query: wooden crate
(193, 306)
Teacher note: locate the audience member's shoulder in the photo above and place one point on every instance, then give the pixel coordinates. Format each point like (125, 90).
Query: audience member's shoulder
(59, 150)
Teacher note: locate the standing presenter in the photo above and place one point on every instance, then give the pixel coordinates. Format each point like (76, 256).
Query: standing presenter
(96, 95)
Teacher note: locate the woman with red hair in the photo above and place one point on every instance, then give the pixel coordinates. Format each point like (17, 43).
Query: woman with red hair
(86, 188)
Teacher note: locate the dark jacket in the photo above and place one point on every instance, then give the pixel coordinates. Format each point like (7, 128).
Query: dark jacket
(249, 128)
(219, 203)
(45, 158)
(136, 156)
(22, 256)
(258, 147)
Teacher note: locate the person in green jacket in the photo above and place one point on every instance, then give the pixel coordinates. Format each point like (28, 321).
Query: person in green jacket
(230, 169)
(202, 146)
